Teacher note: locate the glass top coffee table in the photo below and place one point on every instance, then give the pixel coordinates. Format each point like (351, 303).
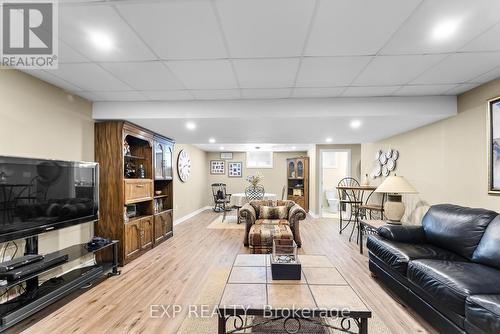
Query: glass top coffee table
(322, 292)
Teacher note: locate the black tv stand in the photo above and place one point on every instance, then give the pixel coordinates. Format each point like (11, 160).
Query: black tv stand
(37, 297)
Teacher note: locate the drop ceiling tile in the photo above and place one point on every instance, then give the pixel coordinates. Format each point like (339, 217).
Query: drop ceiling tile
(48, 76)
(488, 76)
(396, 70)
(177, 29)
(370, 91)
(91, 96)
(262, 28)
(462, 88)
(356, 27)
(144, 75)
(168, 95)
(488, 41)
(330, 71)
(416, 35)
(69, 55)
(204, 74)
(89, 77)
(121, 96)
(459, 68)
(272, 93)
(266, 73)
(216, 94)
(77, 23)
(423, 90)
(317, 92)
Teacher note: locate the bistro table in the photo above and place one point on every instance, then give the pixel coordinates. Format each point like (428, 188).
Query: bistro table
(355, 195)
(240, 199)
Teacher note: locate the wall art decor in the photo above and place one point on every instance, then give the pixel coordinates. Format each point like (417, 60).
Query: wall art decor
(235, 169)
(217, 167)
(494, 146)
(385, 163)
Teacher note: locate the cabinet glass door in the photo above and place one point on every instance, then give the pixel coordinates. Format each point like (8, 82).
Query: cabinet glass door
(159, 157)
(167, 162)
(300, 169)
(291, 169)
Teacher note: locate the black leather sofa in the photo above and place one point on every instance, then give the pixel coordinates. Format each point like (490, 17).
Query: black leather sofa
(448, 269)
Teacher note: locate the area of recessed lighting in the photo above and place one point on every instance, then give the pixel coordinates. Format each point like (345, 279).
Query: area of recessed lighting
(221, 148)
(191, 125)
(101, 40)
(445, 29)
(329, 140)
(294, 147)
(355, 124)
(211, 140)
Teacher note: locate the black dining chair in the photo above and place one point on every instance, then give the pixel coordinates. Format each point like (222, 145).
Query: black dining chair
(222, 199)
(349, 198)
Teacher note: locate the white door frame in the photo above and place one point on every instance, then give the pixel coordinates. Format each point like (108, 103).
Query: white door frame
(321, 193)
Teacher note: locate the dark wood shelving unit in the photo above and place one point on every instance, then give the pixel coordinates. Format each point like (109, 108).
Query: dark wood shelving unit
(149, 227)
(298, 179)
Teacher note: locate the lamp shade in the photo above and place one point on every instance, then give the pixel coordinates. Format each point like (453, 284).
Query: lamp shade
(396, 185)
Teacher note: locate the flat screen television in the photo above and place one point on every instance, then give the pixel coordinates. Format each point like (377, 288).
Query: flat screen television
(39, 195)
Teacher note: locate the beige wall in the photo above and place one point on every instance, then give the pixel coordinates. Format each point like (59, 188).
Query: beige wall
(332, 175)
(42, 121)
(314, 154)
(191, 195)
(446, 161)
(274, 178)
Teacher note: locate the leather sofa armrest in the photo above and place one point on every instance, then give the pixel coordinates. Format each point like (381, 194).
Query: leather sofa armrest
(247, 213)
(413, 234)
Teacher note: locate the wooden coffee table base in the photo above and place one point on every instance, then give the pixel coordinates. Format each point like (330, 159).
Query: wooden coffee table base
(322, 292)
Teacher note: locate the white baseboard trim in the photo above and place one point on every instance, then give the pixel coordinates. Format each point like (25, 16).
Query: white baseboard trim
(191, 215)
(312, 214)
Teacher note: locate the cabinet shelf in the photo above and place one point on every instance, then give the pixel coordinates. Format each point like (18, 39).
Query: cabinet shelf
(134, 157)
(133, 219)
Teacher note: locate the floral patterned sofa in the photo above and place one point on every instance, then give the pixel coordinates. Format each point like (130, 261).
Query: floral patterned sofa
(267, 220)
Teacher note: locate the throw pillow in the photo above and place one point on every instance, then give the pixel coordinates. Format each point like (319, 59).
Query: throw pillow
(273, 212)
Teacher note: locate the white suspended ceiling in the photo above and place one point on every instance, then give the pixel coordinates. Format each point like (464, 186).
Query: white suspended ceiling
(268, 49)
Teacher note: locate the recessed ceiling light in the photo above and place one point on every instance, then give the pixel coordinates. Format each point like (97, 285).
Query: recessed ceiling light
(101, 40)
(190, 125)
(355, 124)
(294, 147)
(328, 140)
(444, 29)
(221, 148)
(211, 140)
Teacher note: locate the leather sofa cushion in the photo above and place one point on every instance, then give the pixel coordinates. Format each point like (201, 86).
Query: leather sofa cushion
(397, 255)
(456, 228)
(452, 282)
(483, 312)
(488, 250)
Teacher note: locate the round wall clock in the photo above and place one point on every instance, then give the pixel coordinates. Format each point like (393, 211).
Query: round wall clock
(183, 165)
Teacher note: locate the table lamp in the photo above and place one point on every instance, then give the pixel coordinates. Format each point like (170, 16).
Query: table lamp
(394, 186)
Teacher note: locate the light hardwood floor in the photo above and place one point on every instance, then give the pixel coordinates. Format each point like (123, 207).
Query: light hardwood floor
(174, 272)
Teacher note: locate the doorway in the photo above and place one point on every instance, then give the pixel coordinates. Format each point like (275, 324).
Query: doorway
(335, 164)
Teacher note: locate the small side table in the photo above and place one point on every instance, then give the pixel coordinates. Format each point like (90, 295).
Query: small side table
(367, 225)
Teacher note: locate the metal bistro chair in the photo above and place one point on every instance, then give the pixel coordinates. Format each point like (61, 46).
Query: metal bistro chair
(352, 198)
(373, 208)
(254, 193)
(221, 198)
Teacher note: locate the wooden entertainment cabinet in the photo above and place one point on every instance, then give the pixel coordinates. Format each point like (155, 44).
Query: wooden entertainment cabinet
(119, 193)
(297, 171)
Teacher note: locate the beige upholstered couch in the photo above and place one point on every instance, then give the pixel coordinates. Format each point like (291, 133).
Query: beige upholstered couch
(260, 232)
